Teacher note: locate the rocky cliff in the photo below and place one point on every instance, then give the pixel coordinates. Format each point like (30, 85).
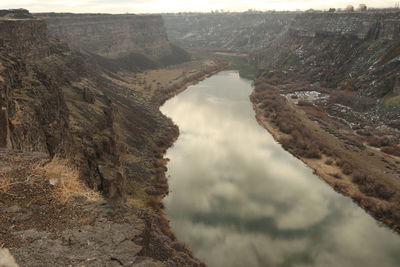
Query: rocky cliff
(27, 92)
(71, 105)
(240, 32)
(362, 25)
(141, 38)
(355, 51)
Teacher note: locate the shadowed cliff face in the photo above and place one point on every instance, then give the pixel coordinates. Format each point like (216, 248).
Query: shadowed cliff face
(117, 36)
(76, 106)
(57, 101)
(27, 92)
(41, 80)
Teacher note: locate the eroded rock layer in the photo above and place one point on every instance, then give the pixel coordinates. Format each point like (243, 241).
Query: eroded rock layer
(75, 106)
(141, 38)
(239, 32)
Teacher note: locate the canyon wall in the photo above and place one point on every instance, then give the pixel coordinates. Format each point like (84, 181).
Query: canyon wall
(64, 104)
(239, 32)
(26, 92)
(42, 83)
(355, 51)
(363, 25)
(141, 38)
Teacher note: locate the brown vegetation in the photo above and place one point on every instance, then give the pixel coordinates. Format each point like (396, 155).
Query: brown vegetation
(304, 143)
(304, 103)
(371, 187)
(387, 145)
(392, 150)
(299, 139)
(352, 99)
(346, 167)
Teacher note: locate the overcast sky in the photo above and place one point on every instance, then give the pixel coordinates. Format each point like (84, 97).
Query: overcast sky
(156, 6)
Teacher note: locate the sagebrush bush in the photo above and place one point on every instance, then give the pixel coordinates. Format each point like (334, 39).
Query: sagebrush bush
(352, 99)
(392, 150)
(371, 187)
(304, 103)
(377, 190)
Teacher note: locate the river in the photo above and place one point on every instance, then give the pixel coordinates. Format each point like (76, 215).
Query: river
(239, 199)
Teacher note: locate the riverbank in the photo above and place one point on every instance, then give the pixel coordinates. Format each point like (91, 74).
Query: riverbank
(333, 150)
(94, 231)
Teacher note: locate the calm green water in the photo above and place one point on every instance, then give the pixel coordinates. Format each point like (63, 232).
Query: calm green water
(239, 199)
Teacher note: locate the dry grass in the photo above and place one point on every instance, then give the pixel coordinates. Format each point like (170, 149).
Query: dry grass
(5, 183)
(66, 182)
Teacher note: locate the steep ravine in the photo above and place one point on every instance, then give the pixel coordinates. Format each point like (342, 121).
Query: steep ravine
(68, 119)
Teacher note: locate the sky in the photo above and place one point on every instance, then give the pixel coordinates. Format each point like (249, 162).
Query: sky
(162, 6)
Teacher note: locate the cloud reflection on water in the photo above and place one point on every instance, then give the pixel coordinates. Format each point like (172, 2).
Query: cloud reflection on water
(239, 199)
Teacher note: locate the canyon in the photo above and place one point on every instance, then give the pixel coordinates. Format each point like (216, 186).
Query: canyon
(326, 89)
(82, 139)
(130, 38)
(64, 111)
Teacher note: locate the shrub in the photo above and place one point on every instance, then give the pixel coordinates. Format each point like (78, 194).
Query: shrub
(313, 153)
(284, 127)
(304, 103)
(346, 167)
(380, 141)
(325, 150)
(370, 187)
(352, 99)
(359, 178)
(377, 190)
(392, 150)
(374, 141)
(336, 175)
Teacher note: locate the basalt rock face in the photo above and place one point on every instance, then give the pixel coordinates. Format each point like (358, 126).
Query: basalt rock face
(42, 83)
(27, 93)
(239, 32)
(341, 51)
(141, 38)
(65, 104)
(57, 101)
